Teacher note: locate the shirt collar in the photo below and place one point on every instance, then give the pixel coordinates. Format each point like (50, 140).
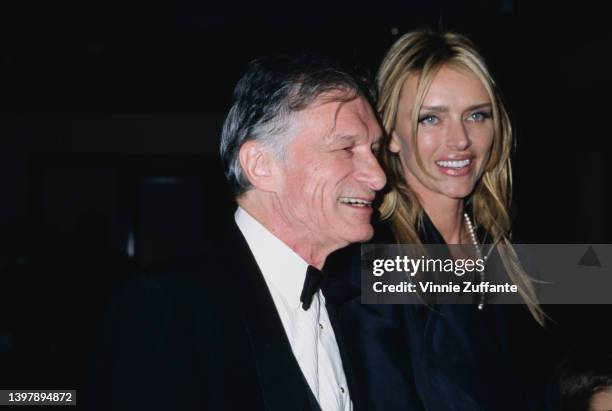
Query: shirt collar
(281, 267)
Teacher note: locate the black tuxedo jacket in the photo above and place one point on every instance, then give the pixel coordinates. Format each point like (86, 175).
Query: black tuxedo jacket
(200, 335)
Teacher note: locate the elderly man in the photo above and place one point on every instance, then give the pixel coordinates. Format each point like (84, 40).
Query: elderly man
(247, 328)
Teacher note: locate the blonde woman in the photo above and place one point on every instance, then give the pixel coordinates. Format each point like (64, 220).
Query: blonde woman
(447, 160)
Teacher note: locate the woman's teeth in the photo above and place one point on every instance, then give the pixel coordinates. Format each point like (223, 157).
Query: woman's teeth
(454, 163)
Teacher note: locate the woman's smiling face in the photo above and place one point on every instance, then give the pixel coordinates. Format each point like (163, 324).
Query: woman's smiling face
(454, 134)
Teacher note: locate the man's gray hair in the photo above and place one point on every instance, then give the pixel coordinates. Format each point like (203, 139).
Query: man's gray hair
(267, 96)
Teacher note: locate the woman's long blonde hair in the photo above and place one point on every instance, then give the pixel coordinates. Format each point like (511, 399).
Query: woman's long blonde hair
(423, 53)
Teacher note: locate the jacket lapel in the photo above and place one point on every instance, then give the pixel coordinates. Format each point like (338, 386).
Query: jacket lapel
(282, 382)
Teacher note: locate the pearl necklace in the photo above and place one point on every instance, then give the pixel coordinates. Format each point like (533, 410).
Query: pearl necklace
(472, 232)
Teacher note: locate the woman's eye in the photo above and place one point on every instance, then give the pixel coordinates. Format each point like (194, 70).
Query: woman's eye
(429, 120)
(479, 117)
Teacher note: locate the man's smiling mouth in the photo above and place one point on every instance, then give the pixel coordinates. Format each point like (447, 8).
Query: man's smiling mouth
(357, 202)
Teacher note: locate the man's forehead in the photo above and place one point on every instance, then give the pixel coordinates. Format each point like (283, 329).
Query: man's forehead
(344, 118)
(341, 99)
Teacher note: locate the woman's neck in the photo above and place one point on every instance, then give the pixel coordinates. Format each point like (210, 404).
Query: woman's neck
(447, 216)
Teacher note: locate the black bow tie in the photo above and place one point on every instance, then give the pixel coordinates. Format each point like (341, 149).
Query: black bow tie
(312, 284)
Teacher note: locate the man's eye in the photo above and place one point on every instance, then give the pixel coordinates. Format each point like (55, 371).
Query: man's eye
(479, 116)
(429, 119)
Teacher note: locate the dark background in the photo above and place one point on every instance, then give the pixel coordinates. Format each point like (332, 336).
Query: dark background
(110, 115)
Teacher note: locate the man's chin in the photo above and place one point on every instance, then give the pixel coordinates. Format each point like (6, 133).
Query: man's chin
(361, 233)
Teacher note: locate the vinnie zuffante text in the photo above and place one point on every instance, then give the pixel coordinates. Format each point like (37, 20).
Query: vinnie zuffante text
(424, 265)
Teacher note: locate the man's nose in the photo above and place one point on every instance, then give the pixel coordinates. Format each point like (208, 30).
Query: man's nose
(372, 173)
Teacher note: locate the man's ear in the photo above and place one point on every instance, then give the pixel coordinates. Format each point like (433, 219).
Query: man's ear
(259, 165)
(394, 144)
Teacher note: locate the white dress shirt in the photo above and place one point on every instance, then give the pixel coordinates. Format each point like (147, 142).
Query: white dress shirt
(310, 332)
